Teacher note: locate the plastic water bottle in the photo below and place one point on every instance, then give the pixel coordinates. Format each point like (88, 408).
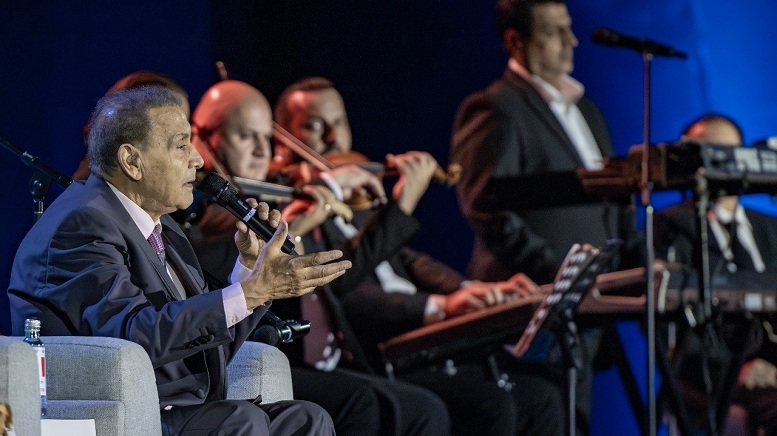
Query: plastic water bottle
(32, 337)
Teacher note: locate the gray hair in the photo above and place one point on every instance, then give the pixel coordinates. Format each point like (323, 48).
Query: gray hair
(122, 118)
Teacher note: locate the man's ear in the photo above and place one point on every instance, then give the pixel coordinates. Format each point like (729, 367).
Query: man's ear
(511, 41)
(130, 161)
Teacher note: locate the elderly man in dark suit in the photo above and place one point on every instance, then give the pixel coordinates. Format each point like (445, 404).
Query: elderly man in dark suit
(106, 260)
(519, 142)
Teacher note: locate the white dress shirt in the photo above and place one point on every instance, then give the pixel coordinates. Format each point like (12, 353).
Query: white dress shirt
(718, 217)
(563, 103)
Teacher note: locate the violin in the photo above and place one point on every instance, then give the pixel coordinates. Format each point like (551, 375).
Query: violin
(447, 177)
(270, 192)
(293, 173)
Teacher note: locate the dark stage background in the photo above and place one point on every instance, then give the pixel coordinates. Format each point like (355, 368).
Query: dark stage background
(402, 66)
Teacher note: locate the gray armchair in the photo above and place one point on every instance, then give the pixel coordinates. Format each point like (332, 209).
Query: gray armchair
(19, 385)
(111, 381)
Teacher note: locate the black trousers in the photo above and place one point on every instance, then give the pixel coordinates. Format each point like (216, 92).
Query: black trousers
(362, 404)
(244, 418)
(477, 405)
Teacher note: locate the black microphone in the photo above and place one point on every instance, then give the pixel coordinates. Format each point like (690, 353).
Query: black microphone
(223, 194)
(613, 39)
(279, 331)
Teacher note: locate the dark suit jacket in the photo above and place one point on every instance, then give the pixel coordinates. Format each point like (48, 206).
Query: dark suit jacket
(85, 269)
(374, 314)
(677, 228)
(518, 190)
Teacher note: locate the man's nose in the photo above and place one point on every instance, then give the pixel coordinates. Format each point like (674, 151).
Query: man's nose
(196, 160)
(572, 39)
(330, 136)
(261, 148)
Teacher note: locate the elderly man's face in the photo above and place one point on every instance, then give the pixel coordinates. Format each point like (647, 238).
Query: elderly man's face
(169, 162)
(246, 138)
(318, 119)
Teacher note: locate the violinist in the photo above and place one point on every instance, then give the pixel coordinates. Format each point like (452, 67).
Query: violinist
(232, 129)
(392, 289)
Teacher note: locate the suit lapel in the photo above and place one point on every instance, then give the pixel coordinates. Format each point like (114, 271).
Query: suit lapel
(536, 103)
(762, 236)
(133, 234)
(189, 275)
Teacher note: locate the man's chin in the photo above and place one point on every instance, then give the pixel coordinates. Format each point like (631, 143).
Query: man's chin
(185, 202)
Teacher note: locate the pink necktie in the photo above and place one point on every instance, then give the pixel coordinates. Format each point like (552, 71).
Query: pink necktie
(156, 242)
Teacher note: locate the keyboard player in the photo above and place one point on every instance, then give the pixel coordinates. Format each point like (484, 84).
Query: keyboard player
(742, 253)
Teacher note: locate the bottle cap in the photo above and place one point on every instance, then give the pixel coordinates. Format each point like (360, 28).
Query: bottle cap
(31, 323)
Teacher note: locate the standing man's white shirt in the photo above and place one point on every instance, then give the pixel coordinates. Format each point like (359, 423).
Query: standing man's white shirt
(563, 103)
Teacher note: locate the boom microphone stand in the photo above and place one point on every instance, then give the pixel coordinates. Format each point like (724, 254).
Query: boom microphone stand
(41, 179)
(648, 49)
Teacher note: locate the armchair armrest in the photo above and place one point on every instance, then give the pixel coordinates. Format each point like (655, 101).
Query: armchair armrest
(110, 380)
(19, 384)
(259, 369)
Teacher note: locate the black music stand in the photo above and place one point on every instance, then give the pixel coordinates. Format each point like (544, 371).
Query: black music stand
(560, 317)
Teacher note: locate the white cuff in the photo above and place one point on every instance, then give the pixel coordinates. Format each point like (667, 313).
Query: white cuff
(435, 309)
(235, 306)
(239, 272)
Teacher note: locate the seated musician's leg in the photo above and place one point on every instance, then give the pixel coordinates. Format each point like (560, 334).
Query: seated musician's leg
(476, 404)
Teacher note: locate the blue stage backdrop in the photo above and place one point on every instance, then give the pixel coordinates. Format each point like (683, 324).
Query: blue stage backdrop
(402, 66)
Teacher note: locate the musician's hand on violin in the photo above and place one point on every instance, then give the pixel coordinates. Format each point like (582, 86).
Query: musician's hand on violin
(357, 182)
(248, 244)
(416, 169)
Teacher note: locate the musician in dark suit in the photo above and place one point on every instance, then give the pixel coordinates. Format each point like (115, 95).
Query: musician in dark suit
(392, 289)
(519, 142)
(106, 260)
(742, 254)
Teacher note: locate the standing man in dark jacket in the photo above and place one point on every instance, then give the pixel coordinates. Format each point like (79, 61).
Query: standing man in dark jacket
(519, 142)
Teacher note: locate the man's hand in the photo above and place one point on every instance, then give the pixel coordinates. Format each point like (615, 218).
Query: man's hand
(248, 244)
(356, 182)
(276, 275)
(479, 295)
(305, 215)
(416, 169)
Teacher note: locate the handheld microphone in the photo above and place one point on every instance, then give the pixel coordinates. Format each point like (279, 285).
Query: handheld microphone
(223, 194)
(279, 331)
(609, 38)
